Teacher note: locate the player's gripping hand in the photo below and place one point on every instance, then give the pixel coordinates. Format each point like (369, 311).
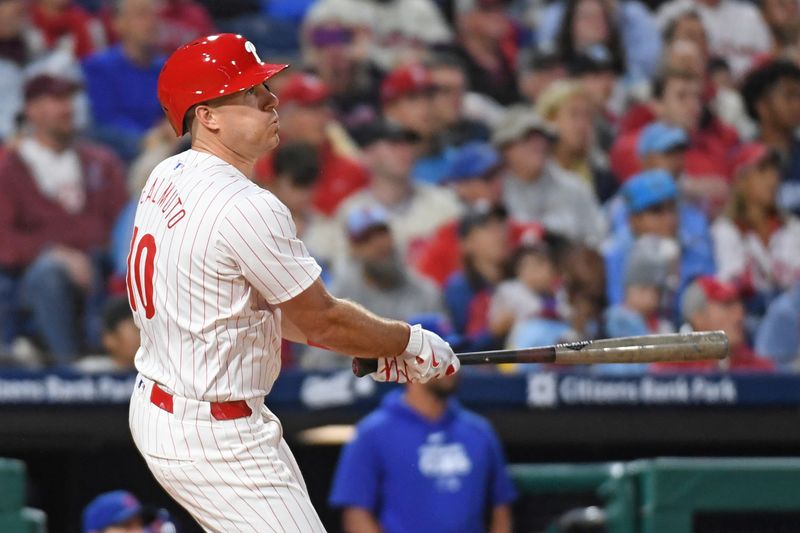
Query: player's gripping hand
(427, 356)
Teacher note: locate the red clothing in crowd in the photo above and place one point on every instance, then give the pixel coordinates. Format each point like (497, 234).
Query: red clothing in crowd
(708, 154)
(742, 358)
(182, 21)
(340, 176)
(75, 23)
(440, 257)
(31, 222)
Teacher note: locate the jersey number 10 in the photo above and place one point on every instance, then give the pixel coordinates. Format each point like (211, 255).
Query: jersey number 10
(144, 287)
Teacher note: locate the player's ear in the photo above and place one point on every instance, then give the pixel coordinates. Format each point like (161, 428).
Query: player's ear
(206, 116)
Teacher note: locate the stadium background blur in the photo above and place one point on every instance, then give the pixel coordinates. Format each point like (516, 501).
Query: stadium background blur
(509, 173)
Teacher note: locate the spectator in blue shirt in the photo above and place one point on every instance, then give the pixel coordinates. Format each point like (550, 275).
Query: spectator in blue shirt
(653, 207)
(778, 336)
(422, 463)
(122, 81)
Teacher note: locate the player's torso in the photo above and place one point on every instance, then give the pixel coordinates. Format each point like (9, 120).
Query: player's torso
(206, 333)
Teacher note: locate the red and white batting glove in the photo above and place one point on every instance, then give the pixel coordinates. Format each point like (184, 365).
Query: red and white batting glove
(427, 356)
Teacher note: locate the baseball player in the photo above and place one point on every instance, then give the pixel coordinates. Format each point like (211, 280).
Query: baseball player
(216, 277)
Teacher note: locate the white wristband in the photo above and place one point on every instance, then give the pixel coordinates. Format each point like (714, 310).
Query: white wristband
(414, 345)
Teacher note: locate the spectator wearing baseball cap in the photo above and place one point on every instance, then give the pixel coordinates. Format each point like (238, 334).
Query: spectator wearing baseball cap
(415, 209)
(567, 106)
(654, 208)
(473, 173)
(537, 69)
(452, 99)
(60, 199)
(661, 146)
(484, 236)
(375, 275)
(678, 101)
(119, 511)
(595, 69)
(650, 276)
(755, 242)
(536, 189)
(771, 94)
(708, 305)
(407, 94)
(306, 117)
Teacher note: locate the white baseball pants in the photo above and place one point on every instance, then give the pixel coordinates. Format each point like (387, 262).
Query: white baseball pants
(231, 475)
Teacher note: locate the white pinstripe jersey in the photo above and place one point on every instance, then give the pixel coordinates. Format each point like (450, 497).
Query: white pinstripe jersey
(211, 256)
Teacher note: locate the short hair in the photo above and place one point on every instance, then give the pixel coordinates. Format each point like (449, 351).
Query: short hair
(299, 162)
(662, 79)
(115, 311)
(761, 80)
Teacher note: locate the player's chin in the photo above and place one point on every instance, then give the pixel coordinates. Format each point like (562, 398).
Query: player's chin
(270, 139)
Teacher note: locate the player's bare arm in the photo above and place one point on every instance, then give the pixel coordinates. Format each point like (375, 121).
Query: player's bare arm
(343, 326)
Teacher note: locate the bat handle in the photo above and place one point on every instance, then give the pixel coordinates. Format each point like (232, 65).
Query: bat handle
(362, 366)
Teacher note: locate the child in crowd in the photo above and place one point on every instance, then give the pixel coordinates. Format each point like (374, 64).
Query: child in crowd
(534, 293)
(650, 278)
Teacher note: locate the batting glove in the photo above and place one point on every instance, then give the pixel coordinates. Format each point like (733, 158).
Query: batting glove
(427, 356)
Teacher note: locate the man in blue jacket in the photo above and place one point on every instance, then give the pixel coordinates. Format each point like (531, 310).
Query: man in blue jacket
(423, 463)
(654, 208)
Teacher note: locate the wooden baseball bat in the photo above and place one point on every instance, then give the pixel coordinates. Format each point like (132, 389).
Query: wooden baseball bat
(673, 347)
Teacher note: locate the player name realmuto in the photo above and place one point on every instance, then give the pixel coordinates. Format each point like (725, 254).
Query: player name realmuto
(168, 200)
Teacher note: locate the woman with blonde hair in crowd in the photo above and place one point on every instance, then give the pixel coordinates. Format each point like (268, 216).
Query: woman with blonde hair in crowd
(567, 106)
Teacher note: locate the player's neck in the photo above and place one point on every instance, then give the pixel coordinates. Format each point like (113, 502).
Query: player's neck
(242, 162)
(425, 403)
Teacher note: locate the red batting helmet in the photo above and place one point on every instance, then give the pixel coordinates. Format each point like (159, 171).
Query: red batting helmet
(208, 68)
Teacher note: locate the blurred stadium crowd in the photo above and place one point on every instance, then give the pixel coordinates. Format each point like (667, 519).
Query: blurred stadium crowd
(506, 172)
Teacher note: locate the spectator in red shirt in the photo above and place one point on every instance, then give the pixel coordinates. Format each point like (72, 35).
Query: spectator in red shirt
(678, 102)
(487, 42)
(60, 199)
(182, 21)
(474, 176)
(306, 117)
(708, 305)
(63, 25)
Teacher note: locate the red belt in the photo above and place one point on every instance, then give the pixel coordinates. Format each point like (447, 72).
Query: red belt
(219, 410)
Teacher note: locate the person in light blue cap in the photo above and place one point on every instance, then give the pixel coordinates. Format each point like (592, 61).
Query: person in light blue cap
(663, 146)
(660, 146)
(653, 207)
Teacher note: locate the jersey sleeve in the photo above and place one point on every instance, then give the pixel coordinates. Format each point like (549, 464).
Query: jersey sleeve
(356, 481)
(258, 234)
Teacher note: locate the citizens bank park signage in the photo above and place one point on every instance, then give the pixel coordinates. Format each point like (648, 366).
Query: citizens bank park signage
(535, 391)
